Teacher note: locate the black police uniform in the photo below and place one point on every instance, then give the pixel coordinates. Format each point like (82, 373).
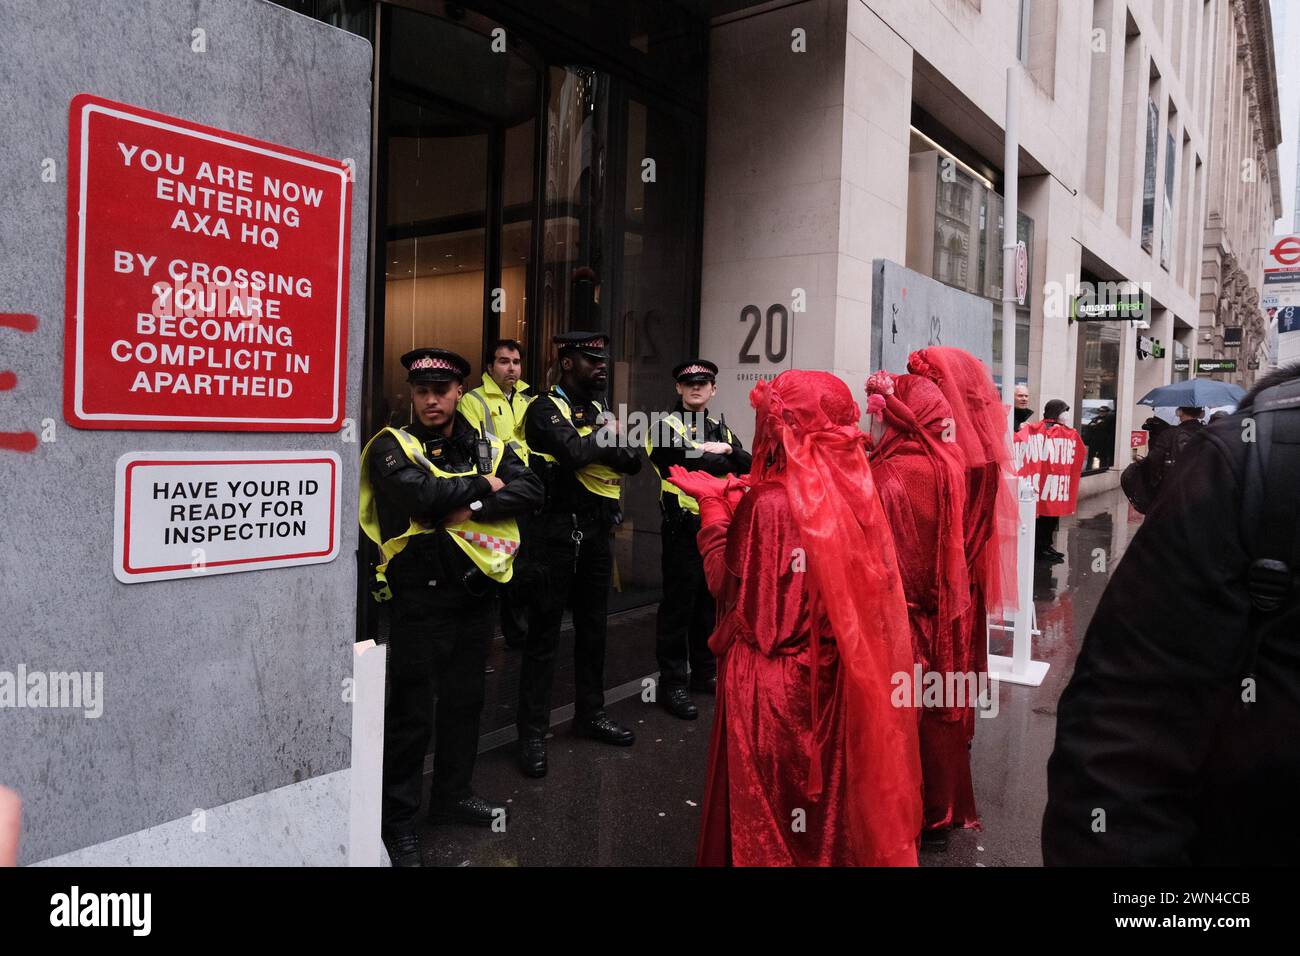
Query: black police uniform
(441, 612)
(686, 614)
(572, 573)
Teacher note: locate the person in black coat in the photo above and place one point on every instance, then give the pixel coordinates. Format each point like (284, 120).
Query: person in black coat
(1172, 748)
(1167, 445)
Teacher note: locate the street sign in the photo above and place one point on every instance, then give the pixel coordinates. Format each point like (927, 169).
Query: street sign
(207, 277)
(1216, 365)
(1288, 319)
(1286, 251)
(1022, 271)
(190, 514)
(1281, 274)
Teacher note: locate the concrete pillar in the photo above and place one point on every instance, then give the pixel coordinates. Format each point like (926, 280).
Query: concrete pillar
(806, 183)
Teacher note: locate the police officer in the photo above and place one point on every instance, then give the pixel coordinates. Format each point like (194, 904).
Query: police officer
(440, 499)
(581, 454)
(687, 436)
(502, 398)
(500, 403)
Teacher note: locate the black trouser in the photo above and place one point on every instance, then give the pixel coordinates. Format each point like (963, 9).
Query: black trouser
(686, 614)
(582, 586)
(517, 593)
(1045, 532)
(433, 646)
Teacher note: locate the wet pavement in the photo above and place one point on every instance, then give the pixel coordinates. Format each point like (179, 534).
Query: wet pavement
(639, 806)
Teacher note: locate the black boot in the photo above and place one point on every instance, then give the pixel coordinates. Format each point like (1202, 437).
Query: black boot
(472, 810)
(677, 702)
(532, 756)
(600, 727)
(404, 849)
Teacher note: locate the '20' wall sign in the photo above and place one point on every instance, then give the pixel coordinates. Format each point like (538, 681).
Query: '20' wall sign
(776, 342)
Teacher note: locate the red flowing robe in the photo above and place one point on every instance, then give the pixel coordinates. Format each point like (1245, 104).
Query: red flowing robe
(909, 493)
(766, 726)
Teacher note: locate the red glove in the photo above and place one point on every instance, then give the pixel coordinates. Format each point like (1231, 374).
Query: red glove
(697, 484)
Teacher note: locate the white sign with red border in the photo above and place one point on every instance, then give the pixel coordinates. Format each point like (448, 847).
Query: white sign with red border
(182, 514)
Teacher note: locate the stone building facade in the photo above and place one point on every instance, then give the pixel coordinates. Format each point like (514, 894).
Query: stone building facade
(1244, 194)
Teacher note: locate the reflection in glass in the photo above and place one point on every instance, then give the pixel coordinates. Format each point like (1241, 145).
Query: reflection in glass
(435, 256)
(1099, 387)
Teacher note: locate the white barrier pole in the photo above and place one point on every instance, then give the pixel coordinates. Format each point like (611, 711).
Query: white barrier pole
(368, 666)
(1020, 668)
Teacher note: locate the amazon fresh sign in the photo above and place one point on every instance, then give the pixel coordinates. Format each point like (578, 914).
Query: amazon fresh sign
(1126, 307)
(1216, 365)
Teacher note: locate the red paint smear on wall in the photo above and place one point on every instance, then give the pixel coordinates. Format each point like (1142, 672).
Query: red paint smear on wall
(18, 441)
(18, 320)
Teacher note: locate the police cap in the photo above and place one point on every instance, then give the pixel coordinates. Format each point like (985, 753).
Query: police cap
(594, 344)
(694, 371)
(434, 365)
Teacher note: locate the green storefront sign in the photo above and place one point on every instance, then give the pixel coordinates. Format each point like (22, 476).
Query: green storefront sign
(1127, 308)
(1216, 365)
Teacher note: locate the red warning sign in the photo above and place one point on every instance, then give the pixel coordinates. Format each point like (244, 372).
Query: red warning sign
(207, 277)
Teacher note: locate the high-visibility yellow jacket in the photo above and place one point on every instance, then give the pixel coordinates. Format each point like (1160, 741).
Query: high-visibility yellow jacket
(597, 478)
(505, 416)
(491, 545)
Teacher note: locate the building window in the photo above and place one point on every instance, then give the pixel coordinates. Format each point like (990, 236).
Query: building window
(1149, 176)
(1022, 34)
(1099, 357)
(1182, 364)
(1167, 225)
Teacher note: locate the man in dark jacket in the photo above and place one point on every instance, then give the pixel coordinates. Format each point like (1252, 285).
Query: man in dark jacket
(1168, 445)
(440, 498)
(580, 451)
(1175, 739)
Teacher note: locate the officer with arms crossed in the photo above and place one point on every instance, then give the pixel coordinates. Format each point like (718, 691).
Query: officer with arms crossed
(500, 403)
(440, 499)
(581, 455)
(688, 437)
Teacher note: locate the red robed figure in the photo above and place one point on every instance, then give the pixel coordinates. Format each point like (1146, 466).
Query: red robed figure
(920, 474)
(990, 524)
(809, 763)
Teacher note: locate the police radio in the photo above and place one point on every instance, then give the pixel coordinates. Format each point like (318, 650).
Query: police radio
(483, 451)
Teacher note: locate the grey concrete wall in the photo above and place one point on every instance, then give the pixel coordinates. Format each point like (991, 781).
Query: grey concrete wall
(215, 688)
(910, 311)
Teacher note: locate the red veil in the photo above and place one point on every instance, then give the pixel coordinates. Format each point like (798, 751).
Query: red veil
(915, 410)
(982, 432)
(807, 438)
